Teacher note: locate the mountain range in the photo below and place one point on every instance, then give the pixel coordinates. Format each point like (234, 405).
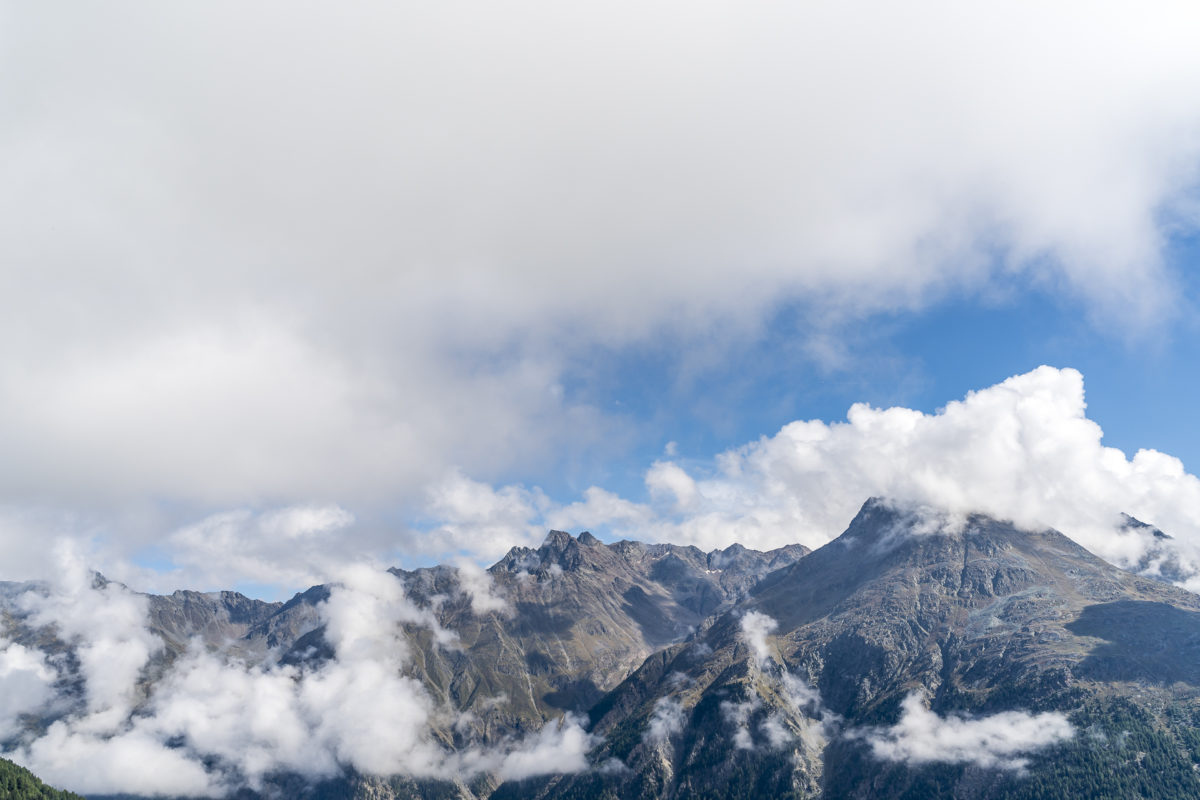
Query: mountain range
(919, 654)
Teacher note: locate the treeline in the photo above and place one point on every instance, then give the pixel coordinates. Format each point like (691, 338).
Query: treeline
(18, 783)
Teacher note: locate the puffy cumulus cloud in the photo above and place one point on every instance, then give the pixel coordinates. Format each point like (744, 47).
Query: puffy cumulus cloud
(1022, 450)
(365, 611)
(922, 737)
(105, 622)
(665, 479)
(95, 749)
(208, 724)
(329, 265)
(252, 721)
(666, 721)
(477, 518)
(754, 630)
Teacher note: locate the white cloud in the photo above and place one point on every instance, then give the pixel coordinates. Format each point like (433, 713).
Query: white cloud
(474, 517)
(797, 691)
(666, 721)
(297, 546)
(329, 269)
(478, 585)
(26, 682)
(738, 715)
(106, 624)
(922, 737)
(755, 628)
(130, 762)
(776, 733)
(1022, 450)
(559, 747)
(598, 508)
(668, 479)
(209, 724)
(253, 721)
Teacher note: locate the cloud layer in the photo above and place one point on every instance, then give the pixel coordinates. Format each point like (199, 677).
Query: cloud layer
(1022, 450)
(279, 262)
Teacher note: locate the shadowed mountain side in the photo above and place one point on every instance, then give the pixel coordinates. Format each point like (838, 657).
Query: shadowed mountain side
(1144, 641)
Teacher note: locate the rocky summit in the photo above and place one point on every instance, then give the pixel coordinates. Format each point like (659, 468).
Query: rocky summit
(920, 654)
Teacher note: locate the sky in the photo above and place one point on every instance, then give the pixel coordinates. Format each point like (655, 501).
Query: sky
(280, 292)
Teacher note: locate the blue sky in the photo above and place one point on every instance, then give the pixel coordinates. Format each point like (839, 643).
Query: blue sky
(422, 283)
(1141, 385)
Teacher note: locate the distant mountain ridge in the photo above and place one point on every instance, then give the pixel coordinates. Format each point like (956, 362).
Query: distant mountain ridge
(736, 673)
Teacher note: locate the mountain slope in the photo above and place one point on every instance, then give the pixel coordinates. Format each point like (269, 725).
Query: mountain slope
(787, 693)
(918, 655)
(579, 617)
(561, 624)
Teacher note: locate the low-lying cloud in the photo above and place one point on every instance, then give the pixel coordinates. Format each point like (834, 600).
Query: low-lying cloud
(754, 628)
(1022, 450)
(810, 721)
(208, 723)
(998, 741)
(482, 592)
(26, 682)
(666, 721)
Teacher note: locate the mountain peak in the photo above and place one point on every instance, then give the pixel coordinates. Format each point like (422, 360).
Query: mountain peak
(1129, 523)
(557, 540)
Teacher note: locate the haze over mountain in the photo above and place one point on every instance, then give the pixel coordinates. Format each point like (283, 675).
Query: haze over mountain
(921, 652)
